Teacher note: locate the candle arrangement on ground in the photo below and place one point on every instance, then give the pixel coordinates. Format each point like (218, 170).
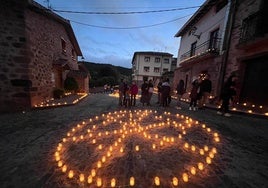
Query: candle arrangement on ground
(136, 148)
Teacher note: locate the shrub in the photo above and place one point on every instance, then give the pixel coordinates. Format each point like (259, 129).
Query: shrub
(70, 84)
(58, 93)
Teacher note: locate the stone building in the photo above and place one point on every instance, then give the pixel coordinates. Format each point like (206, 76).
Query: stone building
(38, 51)
(247, 53)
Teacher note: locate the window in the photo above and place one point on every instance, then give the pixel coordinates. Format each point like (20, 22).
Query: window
(156, 69)
(157, 59)
(63, 45)
(166, 61)
(147, 59)
(193, 48)
(165, 70)
(213, 39)
(146, 69)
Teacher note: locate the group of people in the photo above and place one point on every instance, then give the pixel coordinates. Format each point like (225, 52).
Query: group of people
(127, 94)
(199, 94)
(164, 97)
(201, 89)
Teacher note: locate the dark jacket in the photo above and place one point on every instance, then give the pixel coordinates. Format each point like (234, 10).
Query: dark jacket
(194, 90)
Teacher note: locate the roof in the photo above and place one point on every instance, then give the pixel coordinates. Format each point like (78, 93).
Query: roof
(34, 6)
(151, 53)
(196, 17)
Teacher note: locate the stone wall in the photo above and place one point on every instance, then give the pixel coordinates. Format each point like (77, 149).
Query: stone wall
(14, 57)
(30, 41)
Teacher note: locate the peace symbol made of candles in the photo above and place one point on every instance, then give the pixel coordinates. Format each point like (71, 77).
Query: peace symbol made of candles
(132, 134)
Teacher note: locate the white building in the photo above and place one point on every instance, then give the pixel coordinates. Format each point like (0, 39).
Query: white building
(150, 65)
(201, 45)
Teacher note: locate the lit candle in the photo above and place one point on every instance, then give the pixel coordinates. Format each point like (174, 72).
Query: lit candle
(157, 181)
(175, 181)
(103, 159)
(71, 174)
(64, 168)
(206, 148)
(208, 160)
(99, 164)
(99, 182)
(113, 181)
(81, 177)
(193, 148)
(89, 179)
(137, 148)
(185, 177)
(60, 164)
(193, 170)
(121, 150)
(93, 172)
(132, 181)
(153, 146)
(200, 166)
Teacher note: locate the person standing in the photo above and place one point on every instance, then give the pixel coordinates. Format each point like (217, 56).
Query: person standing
(180, 91)
(133, 92)
(165, 92)
(150, 91)
(205, 90)
(121, 92)
(159, 88)
(144, 92)
(227, 94)
(194, 94)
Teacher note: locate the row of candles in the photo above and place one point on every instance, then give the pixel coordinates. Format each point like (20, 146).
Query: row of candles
(133, 127)
(50, 103)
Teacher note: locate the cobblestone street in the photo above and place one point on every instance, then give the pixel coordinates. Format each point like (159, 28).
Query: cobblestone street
(29, 139)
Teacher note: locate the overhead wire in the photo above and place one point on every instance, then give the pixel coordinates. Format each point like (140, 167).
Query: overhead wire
(134, 27)
(131, 12)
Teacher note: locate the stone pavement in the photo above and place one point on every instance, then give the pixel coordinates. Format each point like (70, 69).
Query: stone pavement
(29, 139)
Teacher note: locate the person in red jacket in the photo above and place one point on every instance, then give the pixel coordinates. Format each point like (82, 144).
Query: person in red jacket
(133, 92)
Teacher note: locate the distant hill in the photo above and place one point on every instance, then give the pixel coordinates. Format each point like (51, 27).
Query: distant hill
(102, 74)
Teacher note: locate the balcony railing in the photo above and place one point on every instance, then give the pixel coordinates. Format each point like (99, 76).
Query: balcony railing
(210, 46)
(253, 26)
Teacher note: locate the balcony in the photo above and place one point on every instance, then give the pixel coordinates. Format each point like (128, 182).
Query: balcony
(211, 46)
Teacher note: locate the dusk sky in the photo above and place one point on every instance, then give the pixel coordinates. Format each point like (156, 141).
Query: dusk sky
(113, 38)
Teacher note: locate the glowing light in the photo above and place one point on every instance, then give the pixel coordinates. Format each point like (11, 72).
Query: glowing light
(193, 170)
(157, 181)
(185, 177)
(71, 174)
(99, 182)
(132, 181)
(175, 181)
(89, 179)
(113, 182)
(200, 166)
(81, 178)
(208, 160)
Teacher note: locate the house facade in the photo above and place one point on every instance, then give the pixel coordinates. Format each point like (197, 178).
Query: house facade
(201, 45)
(150, 65)
(38, 51)
(248, 52)
(224, 38)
